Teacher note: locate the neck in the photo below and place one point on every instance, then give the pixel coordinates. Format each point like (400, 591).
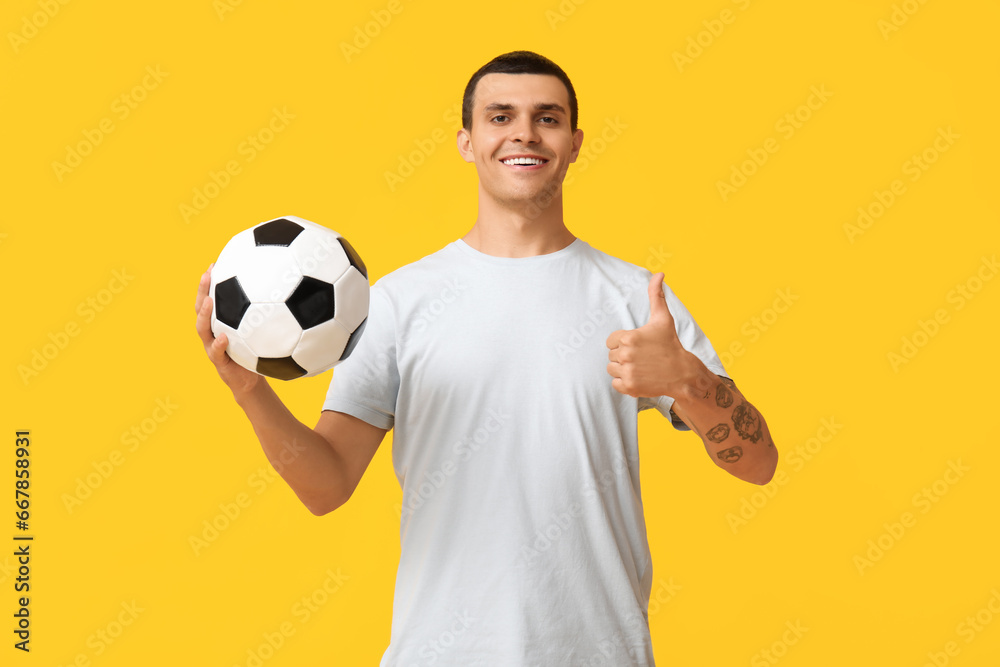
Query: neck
(524, 230)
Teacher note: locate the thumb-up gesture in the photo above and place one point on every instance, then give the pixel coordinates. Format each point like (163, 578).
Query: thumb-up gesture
(650, 361)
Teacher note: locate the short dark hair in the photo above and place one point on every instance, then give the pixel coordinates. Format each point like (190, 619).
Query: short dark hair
(518, 62)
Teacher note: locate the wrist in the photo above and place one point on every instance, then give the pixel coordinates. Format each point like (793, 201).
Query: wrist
(247, 394)
(697, 383)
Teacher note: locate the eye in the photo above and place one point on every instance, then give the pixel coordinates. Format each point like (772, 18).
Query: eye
(554, 121)
(498, 118)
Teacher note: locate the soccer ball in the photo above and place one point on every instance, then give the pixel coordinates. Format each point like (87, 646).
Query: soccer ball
(292, 297)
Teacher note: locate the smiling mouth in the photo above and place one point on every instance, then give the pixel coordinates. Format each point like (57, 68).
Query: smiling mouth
(524, 162)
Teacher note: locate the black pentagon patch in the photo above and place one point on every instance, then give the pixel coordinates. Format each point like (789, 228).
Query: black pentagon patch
(231, 302)
(276, 232)
(312, 302)
(353, 255)
(284, 368)
(352, 342)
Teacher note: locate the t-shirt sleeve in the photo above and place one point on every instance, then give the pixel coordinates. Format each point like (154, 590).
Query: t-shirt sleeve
(365, 385)
(694, 340)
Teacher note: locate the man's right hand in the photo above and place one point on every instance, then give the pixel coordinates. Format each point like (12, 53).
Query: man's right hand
(238, 379)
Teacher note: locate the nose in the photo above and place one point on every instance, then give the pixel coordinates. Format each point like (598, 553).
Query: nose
(524, 131)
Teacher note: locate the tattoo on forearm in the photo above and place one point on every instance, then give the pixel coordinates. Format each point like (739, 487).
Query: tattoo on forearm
(731, 455)
(718, 433)
(747, 421)
(723, 397)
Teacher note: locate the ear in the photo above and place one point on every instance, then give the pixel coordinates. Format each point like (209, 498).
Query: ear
(577, 144)
(464, 141)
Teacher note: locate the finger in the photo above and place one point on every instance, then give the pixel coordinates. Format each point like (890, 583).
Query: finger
(203, 323)
(658, 310)
(613, 354)
(619, 385)
(203, 285)
(614, 369)
(217, 350)
(614, 339)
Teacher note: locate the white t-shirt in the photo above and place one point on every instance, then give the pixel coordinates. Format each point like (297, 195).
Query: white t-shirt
(523, 540)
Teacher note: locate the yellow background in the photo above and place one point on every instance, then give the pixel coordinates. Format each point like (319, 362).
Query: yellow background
(729, 590)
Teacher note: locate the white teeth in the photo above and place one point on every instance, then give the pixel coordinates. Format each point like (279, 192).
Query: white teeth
(523, 160)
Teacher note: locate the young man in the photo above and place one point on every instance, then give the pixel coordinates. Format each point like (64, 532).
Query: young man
(512, 365)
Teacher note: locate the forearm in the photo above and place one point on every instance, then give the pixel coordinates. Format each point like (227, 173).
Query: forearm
(733, 430)
(303, 457)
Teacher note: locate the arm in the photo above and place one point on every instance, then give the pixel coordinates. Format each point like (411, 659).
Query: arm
(324, 465)
(735, 434)
(651, 361)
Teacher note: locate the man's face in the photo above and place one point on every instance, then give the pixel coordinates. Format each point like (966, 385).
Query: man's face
(520, 115)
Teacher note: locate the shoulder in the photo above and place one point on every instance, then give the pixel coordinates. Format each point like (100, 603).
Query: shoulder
(611, 262)
(629, 278)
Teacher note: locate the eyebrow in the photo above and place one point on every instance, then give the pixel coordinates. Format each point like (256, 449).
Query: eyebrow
(541, 106)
